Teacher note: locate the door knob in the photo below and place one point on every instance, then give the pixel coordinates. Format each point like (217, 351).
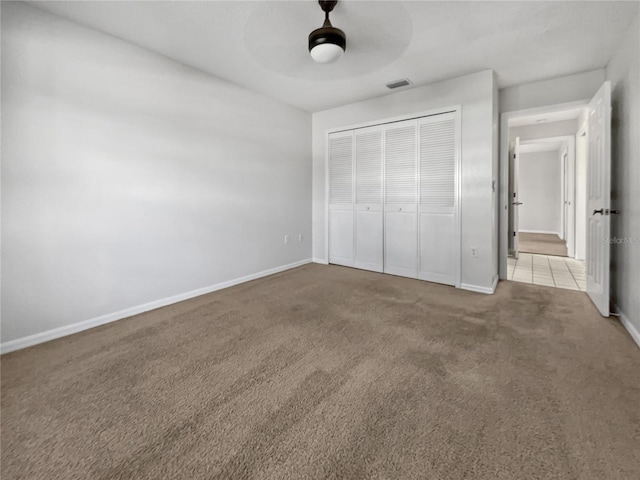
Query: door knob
(516, 203)
(600, 211)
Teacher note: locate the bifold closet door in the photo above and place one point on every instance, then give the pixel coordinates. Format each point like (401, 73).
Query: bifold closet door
(368, 201)
(400, 199)
(439, 232)
(341, 168)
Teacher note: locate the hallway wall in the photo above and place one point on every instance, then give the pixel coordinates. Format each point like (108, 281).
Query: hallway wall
(539, 183)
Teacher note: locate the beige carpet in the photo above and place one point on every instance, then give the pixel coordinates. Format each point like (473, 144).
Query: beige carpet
(330, 372)
(542, 243)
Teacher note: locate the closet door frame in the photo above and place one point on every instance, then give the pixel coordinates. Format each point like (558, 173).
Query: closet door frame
(457, 109)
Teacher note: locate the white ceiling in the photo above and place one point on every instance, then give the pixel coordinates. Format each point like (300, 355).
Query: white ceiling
(262, 45)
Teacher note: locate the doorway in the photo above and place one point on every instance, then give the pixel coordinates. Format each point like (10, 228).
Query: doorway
(593, 119)
(543, 189)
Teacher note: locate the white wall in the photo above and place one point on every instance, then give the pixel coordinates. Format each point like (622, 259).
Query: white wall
(571, 88)
(539, 191)
(623, 72)
(128, 178)
(544, 130)
(475, 94)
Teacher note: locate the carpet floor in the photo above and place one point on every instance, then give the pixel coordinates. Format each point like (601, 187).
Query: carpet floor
(542, 243)
(325, 372)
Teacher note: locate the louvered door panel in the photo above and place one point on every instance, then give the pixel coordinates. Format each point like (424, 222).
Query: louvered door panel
(341, 167)
(369, 166)
(400, 205)
(438, 164)
(400, 164)
(368, 206)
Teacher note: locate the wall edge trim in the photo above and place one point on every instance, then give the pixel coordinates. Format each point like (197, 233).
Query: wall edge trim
(477, 288)
(631, 328)
(77, 327)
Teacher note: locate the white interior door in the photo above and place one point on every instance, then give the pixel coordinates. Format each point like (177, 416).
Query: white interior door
(400, 206)
(513, 195)
(368, 199)
(599, 198)
(341, 223)
(438, 166)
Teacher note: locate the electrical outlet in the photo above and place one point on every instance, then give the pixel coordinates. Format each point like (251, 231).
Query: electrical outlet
(300, 238)
(474, 251)
(286, 239)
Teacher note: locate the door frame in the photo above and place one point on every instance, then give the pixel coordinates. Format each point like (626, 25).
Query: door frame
(564, 189)
(503, 204)
(514, 196)
(457, 109)
(582, 135)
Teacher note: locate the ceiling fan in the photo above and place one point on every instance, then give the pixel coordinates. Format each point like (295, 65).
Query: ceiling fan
(327, 43)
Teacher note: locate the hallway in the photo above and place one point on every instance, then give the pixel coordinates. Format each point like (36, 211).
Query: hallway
(542, 243)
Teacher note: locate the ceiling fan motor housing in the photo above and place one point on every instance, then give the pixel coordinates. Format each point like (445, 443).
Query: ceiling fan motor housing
(327, 36)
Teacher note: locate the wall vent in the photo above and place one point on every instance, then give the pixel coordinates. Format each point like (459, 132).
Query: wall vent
(399, 83)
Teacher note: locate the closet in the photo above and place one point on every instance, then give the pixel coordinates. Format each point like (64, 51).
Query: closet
(394, 198)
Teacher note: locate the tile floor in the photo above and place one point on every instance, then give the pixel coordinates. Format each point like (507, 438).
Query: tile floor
(560, 272)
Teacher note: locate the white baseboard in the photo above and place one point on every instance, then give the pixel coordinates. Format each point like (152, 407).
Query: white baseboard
(631, 328)
(539, 231)
(320, 260)
(42, 337)
(476, 288)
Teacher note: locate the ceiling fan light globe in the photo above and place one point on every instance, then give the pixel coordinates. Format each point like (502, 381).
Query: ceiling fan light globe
(326, 52)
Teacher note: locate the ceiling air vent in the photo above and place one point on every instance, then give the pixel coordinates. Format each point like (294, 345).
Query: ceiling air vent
(399, 83)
